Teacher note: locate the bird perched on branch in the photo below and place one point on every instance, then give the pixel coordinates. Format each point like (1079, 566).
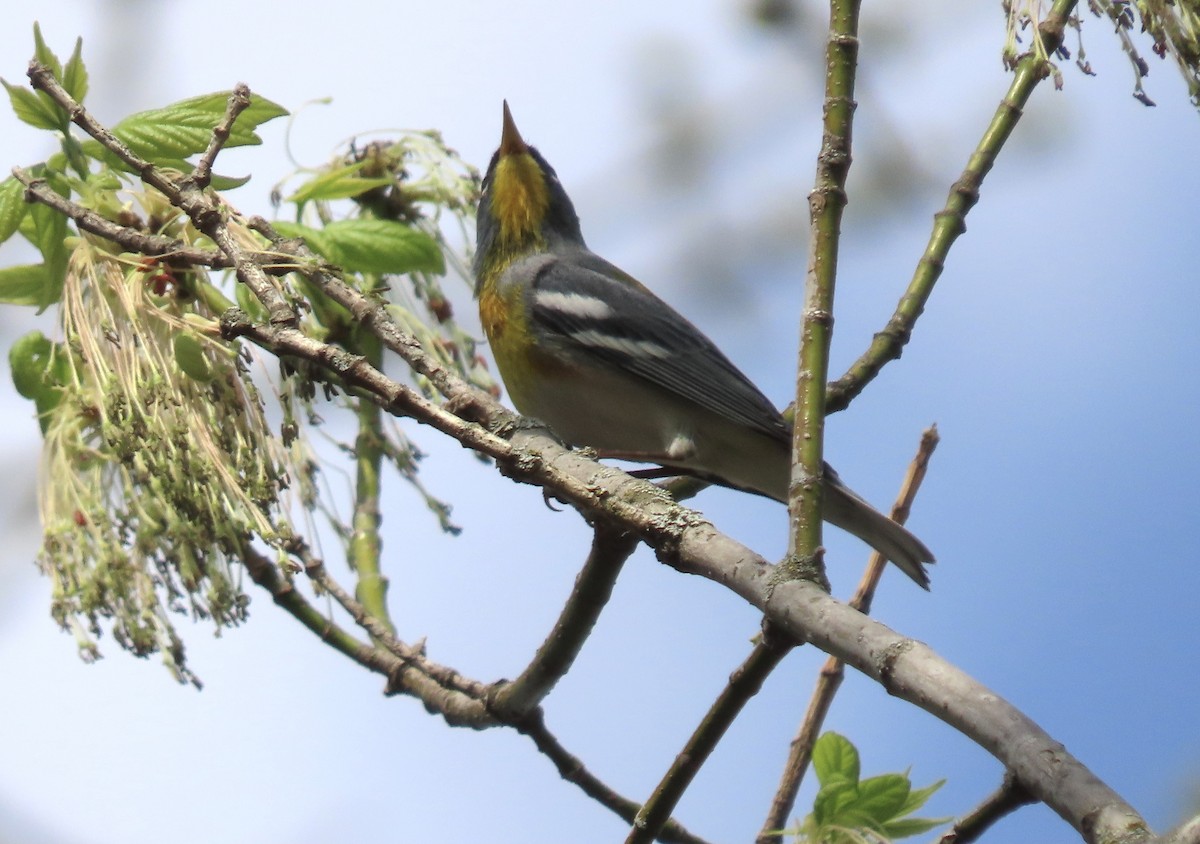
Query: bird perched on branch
(588, 350)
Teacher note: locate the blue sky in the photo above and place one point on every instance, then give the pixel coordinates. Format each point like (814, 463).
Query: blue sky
(1057, 357)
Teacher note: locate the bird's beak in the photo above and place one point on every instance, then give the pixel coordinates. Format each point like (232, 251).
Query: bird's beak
(511, 142)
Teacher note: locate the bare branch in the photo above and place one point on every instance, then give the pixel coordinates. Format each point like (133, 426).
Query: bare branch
(239, 101)
(1186, 833)
(572, 770)
(683, 539)
(267, 575)
(743, 684)
(950, 222)
(1009, 797)
(611, 547)
(829, 680)
(441, 689)
(826, 203)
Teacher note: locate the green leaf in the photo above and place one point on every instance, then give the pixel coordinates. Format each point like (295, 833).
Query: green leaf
(341, 183)
(75, 75)
(905, 827)
(44, 54)
(833, 801)
(23, 285)
(219, 182)
(38, 371)
(834, 758)
(189, 355)
(32, 109)
(249, 303)
(882, 798)
(181, 166)
(918, 796)
(370, 246)
(185, 128)
(29, 360)
(383, 246)
(12, 207)
(50, 234)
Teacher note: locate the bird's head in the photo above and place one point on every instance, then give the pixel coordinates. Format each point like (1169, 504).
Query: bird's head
(523, 208)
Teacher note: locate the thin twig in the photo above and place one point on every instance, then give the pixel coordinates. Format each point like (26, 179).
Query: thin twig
(239, 101)
(950, 222)
(829, 679)
(743, 684)
(447, 677)
(266, 574)
(572, 770)
(36, 190)
(611, 547)
(1009, 797)
(205, 211)
(826, 203)
(412, 674)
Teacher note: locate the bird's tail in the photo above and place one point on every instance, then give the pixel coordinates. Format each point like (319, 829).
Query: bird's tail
(845, 509)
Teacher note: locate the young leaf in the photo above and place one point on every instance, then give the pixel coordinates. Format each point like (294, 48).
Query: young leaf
(340, 183)
(44, 54)
(37, 372)
(371, 246)
(75, 75)
(882, 798)
(50, 234)
(29, 359)
(918, 796)
(12, 207)
(185, 128)
(383, 246)
(32, 109)
(833, 801)
(834, 758)
(905, 827)
(23, 285)
(849, 810)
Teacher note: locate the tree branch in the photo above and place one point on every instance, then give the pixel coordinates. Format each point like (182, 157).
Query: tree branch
(1009, 797)
(36, 190)
(743, 684)
(573, 770)
(680, 537)
(1186, 833)
(830, 677)
(684, 540)
(239, 101)
(950, 222)
(825, 204)
(205, 212)
(611, 547)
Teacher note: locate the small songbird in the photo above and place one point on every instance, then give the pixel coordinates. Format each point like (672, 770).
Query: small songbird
(588, 350)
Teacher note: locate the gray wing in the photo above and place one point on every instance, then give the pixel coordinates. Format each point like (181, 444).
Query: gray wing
(582, 305)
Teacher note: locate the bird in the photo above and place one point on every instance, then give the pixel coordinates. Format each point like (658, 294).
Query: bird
(592, 353)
